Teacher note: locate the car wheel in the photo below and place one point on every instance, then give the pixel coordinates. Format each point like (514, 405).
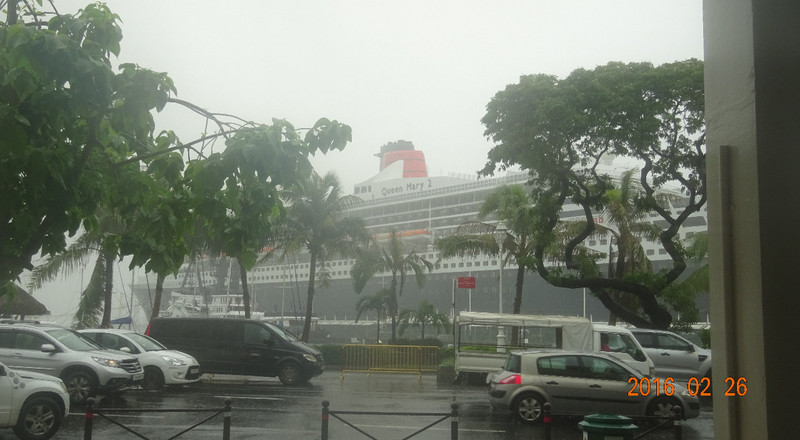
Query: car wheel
(80, 385)
(529, 408)
(289, 373)
(39, 419)
(153, 378)
(662, 407)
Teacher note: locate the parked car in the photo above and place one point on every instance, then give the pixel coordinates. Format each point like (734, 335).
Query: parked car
(240, 346)
(86, 367)
(32, 404)
(673, 355)
(619, 342)
(580, 383)
(161, 365)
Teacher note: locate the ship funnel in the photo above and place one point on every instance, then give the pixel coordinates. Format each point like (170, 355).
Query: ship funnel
(413, 160)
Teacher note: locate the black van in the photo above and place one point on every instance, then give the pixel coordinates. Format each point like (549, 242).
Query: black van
(240, 346)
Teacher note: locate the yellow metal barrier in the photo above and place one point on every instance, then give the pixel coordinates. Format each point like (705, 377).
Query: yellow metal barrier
(390, 358)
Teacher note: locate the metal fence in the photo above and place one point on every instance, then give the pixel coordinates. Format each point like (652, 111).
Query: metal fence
(452, 416)
(390, 358)
(88, 426)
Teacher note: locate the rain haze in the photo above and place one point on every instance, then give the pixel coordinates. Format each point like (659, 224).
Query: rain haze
(420, 71)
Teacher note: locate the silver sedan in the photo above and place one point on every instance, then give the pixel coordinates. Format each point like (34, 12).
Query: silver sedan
(579, 383)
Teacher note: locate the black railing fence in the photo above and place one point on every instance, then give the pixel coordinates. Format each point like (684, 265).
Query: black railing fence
(452, 416)
(104, 413)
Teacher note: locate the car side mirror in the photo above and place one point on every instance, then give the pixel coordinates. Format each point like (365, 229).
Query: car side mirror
(48, 348)
(125, 349)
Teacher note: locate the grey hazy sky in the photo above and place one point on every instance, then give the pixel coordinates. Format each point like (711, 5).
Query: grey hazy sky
(422, 71)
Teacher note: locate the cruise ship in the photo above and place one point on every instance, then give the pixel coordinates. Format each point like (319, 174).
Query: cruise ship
(402, 197)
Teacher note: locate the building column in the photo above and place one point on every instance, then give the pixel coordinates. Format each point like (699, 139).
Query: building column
(752, 80)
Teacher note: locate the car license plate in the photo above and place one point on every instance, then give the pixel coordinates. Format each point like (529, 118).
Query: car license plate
(194, 370)
(138, 376)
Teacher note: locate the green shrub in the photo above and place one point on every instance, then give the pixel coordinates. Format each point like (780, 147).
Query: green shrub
(448, 355)
(427, 342)
(331, 352)
(705, 336)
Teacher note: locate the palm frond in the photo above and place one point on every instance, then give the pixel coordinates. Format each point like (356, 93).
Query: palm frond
(66, 262)
(90, 307)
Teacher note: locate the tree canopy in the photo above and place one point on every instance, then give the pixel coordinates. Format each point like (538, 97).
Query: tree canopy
(560, 130)
(79, 134)
(392, 259)
(316, 222)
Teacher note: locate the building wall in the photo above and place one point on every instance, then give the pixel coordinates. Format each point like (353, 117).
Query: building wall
(752, 59)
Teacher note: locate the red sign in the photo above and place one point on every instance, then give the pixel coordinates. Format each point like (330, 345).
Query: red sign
(466, 282)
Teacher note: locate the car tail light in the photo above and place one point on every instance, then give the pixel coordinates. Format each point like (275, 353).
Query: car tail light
(147, 332)
(514, 379)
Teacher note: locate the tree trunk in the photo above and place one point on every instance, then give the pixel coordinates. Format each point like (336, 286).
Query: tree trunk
(393, 308)
(378, 334)
(108, 290)
(245, 290)
(312, 275)
(11, 18)
(518, 303)
(159, 293)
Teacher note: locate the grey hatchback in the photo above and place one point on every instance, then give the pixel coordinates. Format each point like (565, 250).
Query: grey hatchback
(580, 383)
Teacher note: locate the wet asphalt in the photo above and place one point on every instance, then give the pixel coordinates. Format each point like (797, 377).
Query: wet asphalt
(263, 408)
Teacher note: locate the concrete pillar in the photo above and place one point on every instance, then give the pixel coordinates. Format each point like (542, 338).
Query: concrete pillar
(752, 61)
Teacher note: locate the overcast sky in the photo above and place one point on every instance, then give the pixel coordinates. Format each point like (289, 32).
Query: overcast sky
(421, 71)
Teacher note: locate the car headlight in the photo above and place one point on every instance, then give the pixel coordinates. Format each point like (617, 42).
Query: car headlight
(106, 362)
(309, 357)
(173, 361)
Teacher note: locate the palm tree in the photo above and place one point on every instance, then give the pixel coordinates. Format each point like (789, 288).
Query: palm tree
(682, 296)
(96, 298)
(512, 206)
(697, 249)
(315, 221)
(376, 303)
(628, 225)
(393, 259)
(424, 314)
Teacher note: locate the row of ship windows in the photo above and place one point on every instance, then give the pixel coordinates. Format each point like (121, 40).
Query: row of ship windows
(430, 257)
(459, 265)
(419, 215)
(452, 205)
(401, 208)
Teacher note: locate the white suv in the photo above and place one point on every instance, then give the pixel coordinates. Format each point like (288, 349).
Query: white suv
(86, 367)
(162, 366)
(33, 404)
(673, 355)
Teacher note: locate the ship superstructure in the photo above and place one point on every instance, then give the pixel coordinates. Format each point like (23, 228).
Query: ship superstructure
(402, 197)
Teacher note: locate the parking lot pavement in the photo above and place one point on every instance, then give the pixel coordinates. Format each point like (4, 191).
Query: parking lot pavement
(264, 408)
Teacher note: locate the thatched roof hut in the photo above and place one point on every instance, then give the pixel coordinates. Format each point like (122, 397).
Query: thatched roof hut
(21, 304)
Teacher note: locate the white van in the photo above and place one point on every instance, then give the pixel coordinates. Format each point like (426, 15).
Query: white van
(482, 341)
(622, 344)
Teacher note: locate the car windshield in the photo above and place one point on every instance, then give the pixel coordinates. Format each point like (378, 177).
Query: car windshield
(74, 340)
(147, 343)
(285, 334)
(623, 343)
